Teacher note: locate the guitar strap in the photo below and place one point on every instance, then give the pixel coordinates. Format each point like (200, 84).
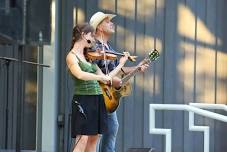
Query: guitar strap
(123, 71)
(104, 57)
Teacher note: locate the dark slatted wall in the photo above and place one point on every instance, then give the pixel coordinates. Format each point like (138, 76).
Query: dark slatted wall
(191, 38)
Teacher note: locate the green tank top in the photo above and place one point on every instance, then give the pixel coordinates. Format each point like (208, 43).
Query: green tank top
(88, 87)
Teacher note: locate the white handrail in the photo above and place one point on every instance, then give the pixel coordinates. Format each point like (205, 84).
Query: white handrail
(205, 129)
(209, 106)
(167, 132)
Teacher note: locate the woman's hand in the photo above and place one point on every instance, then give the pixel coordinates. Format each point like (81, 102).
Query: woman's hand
(124, 58)
(105, 79)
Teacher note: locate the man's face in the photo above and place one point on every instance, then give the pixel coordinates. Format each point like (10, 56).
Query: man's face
(106, 26)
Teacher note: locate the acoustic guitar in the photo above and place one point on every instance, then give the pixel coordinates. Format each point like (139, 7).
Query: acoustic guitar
(112, 95)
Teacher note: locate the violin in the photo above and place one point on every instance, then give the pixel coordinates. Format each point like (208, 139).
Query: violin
(99, 54)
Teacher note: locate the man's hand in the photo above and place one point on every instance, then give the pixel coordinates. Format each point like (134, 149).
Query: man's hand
(143, 67)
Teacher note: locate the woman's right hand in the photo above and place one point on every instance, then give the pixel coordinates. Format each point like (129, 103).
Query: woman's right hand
(105, 79)
(124, 58)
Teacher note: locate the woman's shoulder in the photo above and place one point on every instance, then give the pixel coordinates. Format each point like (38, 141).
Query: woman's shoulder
(71, 57)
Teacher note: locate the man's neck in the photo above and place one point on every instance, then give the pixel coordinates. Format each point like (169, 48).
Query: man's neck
(103, 38)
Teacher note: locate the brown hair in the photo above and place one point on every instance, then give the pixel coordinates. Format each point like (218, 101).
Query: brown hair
(78, 30)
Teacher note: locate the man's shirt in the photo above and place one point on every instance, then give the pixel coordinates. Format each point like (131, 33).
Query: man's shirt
(110, 64)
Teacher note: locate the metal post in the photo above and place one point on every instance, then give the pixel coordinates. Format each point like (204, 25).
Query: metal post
(39, 110)
(7, 63)
(20, 99)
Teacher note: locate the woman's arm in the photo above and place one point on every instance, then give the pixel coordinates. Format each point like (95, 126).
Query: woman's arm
(116, 82)
(76, 71)
(120, 65)
(117, 69)
(99, 71)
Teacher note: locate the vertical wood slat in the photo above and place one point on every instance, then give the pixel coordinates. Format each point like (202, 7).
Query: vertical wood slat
(137, 121)
(138, 80)
(157, 67)
(220, 128)
(189, 68)
(3, 51)
(120, 35)
(199, 73)
(211, 23)
(68, 23)
(8, 51)
(129, 127)
(149, 75)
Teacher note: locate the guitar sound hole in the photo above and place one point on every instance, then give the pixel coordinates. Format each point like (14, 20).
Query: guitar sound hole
(118, 88)
(108, 94)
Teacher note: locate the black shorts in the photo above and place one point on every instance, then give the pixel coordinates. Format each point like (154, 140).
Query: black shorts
(90, 117)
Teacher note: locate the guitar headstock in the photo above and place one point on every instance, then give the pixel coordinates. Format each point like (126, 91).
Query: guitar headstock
(153, 55)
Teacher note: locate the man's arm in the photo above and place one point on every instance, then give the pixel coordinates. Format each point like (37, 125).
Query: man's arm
(127, 70)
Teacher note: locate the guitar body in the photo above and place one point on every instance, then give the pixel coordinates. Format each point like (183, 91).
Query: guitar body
(112, 95)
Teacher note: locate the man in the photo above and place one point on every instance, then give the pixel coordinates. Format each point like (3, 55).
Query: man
(104, 28)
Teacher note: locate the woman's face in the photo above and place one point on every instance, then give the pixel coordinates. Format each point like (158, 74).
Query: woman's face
(89, 38)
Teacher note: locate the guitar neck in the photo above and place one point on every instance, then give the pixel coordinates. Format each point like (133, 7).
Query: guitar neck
(128, 76)
(152, 57)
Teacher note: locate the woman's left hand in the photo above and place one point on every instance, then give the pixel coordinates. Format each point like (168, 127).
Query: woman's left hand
(124, 58)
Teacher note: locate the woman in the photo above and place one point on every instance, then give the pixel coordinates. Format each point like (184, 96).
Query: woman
(89, 115)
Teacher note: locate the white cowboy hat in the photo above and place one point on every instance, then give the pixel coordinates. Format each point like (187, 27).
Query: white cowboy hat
(98, 17)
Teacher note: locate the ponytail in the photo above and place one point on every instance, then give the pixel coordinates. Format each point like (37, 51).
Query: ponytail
(78, 30)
